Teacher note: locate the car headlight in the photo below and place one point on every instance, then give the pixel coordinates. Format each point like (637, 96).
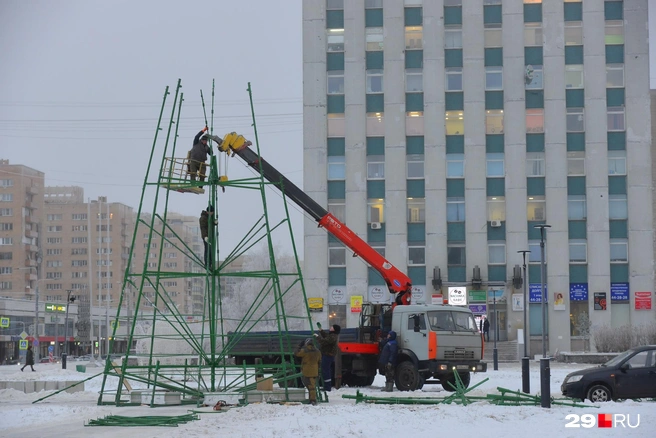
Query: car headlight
(573, 379)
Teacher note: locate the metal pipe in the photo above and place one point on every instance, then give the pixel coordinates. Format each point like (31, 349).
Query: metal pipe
(526, 377)
(545, 388)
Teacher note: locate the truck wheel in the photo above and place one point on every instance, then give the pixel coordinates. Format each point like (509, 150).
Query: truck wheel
(465, 377)
(407, 377)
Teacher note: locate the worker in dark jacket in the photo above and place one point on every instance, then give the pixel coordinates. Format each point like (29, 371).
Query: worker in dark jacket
(311, 360)
(328, 344)
(198, 155)
(29, 360)
(206, 217)
(387, 360)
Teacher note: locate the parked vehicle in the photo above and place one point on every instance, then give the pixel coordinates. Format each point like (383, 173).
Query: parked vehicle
(631, 374)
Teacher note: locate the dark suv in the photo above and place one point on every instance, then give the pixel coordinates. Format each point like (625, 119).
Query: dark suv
(631, 374)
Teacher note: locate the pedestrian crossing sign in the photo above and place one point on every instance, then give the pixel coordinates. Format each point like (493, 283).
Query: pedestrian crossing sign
(4, 322)
(22, 344)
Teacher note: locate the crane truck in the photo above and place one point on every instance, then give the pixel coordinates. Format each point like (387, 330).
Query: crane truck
(434, 340)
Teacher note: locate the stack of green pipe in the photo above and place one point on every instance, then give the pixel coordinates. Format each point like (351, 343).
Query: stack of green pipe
(120, 420)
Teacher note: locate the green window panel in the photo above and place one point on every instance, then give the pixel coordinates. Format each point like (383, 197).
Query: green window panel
(375, 279)
(376, 236)
(578, 273)
(535, 186)
(376, 189)
(618, 229)
(452, 15)
(494, 100)
(335, 104)
(614, 54)
(336, 147)
(373, 18)
(417, 274)
(575, 185)
(457, 274)
(534, 142)
(375, 60)
(375, 146)
(495, 186)
(455, 144)
(614, 96)
(534, 233)
(534, 273)
(455, 188)
(573, 54)
(335, 19)
(336, 189)
(494, 143)
(577, 230)
(416, 188)
(616, 141)
(613, 11)
(574, 11)
(414, 59)
(453, 57)
(575, 141)
(496, 233)
(533, 13)
(492, 14)
(617, 185)
(574, 99)
(533, 55)
(413, 16)
(375, 103)
(619, 273)
(414, 145)
(496, 273)
(454, 100)
(335, 61)
(534, 99)
(455, 231)
(414, 101)
(494, 57)
(417, 232)
(336, 276)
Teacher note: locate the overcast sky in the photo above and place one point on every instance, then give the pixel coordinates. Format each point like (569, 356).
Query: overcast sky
(83, 82)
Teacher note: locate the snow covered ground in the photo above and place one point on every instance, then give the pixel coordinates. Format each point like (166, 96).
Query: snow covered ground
(64, 415)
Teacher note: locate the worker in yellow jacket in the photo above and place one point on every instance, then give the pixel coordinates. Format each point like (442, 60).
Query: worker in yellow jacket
(310, 363)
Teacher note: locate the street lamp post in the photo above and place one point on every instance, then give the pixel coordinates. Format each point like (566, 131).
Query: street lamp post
(526, 379)
(69, 300)
(545, 384)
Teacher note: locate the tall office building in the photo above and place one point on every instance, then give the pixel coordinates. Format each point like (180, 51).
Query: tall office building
(444, 131)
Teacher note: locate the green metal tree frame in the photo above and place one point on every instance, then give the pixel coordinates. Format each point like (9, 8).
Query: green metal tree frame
(170, 351)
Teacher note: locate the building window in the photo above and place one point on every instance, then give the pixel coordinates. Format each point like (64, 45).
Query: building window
(617, 207)
(456, 255)
(573, 33)
(493, 78)
(617, 162)
(455, 165)
(373, 4)
(375, 125)
(415, 163)
(455, 123)
(534, 247)
(575, 120)
(615, 118)
(335, 40)
(374, 81)
(534, 77)
(414, 80)
(376, 167)
(576, 208)
(495, 165)
(455, 209)
(453, 79)
(414, 123)
(494, 121)
(537, 208)
(535, 164)
(374, 39)
(534, 120)
(6, 182)
(336, 254)
(453, 37)
(496, 253)
(614, 75)
(532, 34)
(6, 212)
(54, 217)
(574, 76)
(79, 240)
(336, 167)
(619, 251)
(336, 125)
(375, 210)
(576, 163)
(416, 210)
(496, 208)
(493, 35)
(413, 37)
(379, 249)
(614, 32)
(416, 254)
(335, 81)
(54, 240)
(338, 209)
(578, 251)
(55, 229)
(6, 241)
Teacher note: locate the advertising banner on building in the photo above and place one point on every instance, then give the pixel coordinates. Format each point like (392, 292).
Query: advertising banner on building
(457, 296)
(517, 302)
(643, 300)
(315, 304)
(418, 294)
(600, 300)
(534, 293)
(356, 303)
(559, 301)
(379, 295)
(619, 292)
(336, 295)
(578, 291)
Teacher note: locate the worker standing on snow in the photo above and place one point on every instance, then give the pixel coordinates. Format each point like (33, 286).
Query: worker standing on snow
(311, 360)
(387, 360)
(328, 344)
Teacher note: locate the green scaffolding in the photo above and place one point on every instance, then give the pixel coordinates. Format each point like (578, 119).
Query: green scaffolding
(172, 350)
